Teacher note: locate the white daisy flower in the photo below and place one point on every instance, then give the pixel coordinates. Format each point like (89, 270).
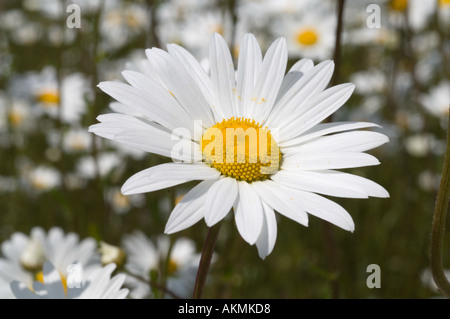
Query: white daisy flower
(43, 178)
(98, 285)
(122, 21)
(24, 256)
(310, 36)
(281, 113)
(77, 140)
(49, 96)
(121, 204)
(87, 167)
(437, 101)
(144, 257)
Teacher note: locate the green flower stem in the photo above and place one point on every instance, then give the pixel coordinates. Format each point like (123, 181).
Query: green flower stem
(205, 260)
(438, 226)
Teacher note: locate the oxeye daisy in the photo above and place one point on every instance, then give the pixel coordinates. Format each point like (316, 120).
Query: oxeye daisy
(252, 136)
(97, 285)
(24, 257)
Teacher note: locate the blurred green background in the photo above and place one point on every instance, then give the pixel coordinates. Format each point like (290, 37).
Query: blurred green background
(401, 73)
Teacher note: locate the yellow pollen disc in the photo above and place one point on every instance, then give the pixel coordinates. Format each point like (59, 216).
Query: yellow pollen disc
(443, 3)
(40, 277)
(307, 37)
(242, 149)
(48, 97)
(398, 5)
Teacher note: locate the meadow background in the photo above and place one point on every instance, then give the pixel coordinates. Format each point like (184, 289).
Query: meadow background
(54, 173)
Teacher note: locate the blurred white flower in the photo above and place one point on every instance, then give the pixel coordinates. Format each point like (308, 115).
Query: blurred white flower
(111, 254)
(144, 256)
(427, 279)
(429, 181)
(120, 203)
(24, 256)
(43, 178)
(312, 36)
(97, 285)
(69, 96)
(369, 81)
(419, 145)
(437, 101)
(121, 22)
(77, 140)
(106, 162)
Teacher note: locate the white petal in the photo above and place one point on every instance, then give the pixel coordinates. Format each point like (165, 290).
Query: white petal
(221, 197)
(156, 103)
(249, 65)
(323, 161)
(52, 280)
(167, 175)
(357, 141)
(196, 71)
(146, 136)
(296, 101)
(223, 76)
(324, 129)
(325, 209)
(319, 182)
(282, 199)
(296, 72)
(318, 109)
(249, 213)
(190, 209)
(267, 238)
(269, 80)
(21, 291)
(181, 84)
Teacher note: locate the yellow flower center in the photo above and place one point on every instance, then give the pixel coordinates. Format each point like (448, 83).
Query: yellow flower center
(242, 149)
(15, 118)
(307, 37)
(398, 5)
(443, 3)
(40, 277)
(48, 98)
(172, 267)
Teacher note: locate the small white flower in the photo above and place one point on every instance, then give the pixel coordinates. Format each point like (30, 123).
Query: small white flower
(43, 178)
(87, 166)
(77, 140)
(50, 97)
(120, 203)
(145, 256)
(312, 36)
(437, 101)
(98, 285)
(111, 254)
(369, 82)
(24, 256)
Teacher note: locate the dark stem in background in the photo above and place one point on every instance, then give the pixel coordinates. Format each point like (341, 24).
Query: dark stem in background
(330, 240)
(102, 214)
(152, 37)
(232, 8)
(205, 260)
(337, 43)
(154, 285)
(438, 226)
